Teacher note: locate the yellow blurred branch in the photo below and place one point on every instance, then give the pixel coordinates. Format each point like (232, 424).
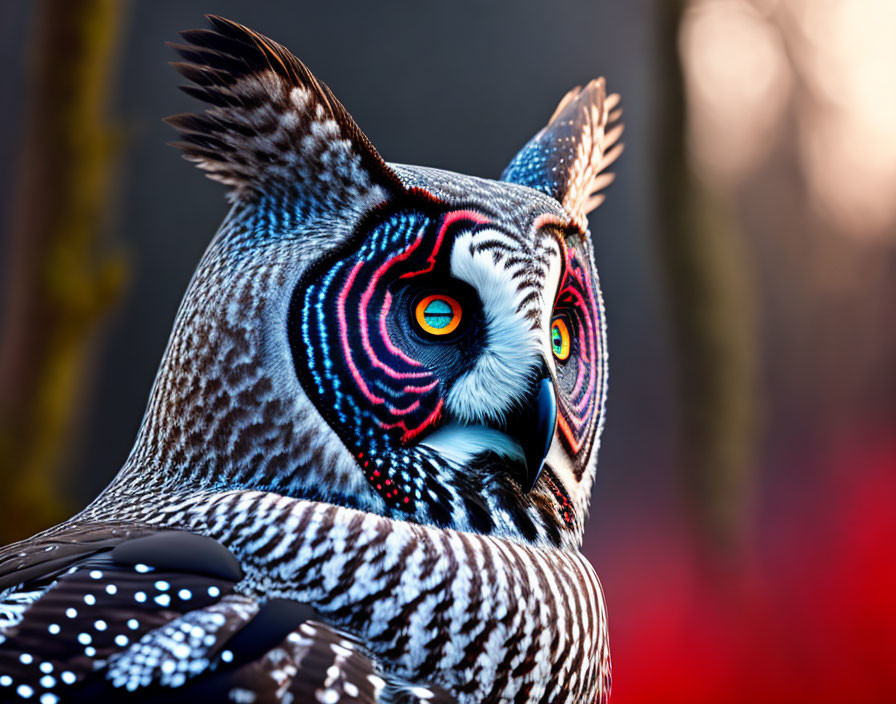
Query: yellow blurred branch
(61, 276)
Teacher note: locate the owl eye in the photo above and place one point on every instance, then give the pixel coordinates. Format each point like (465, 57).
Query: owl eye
(438, 314)
(560, 340)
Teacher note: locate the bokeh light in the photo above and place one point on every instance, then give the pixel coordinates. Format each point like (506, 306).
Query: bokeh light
(825, 69)
(738, 82)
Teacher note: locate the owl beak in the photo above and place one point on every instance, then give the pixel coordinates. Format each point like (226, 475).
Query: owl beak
(535, 431)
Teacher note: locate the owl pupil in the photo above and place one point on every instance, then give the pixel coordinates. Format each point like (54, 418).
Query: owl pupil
(557, 340)
(438, 314)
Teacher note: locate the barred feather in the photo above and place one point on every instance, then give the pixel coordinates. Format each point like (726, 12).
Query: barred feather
(480, 618)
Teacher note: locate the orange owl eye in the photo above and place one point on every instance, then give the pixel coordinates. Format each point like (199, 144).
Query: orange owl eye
(438, 314)
(560, 341)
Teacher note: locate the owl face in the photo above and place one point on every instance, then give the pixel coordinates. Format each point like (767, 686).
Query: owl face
(445, 333)
(454, 344)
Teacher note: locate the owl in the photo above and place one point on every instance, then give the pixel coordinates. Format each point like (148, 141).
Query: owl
(366, 459)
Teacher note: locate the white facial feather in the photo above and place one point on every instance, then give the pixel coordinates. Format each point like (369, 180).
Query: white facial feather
(552, 283)
(499, 380)
(461, 443)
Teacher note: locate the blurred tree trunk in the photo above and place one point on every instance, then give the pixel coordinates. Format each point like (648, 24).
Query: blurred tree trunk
(61, 276)
(712, 306)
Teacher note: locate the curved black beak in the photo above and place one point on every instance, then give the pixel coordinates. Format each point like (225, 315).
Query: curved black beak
(534, 429)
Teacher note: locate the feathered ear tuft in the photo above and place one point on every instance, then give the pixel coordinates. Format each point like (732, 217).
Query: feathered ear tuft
(568, 158)
(271, 127)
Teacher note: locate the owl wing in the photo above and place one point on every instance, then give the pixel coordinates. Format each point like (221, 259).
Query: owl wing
(124, 612)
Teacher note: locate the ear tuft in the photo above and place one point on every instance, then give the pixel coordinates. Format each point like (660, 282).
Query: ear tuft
(270, 125)
(568, 158)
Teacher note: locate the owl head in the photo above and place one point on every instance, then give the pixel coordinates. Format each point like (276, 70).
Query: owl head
(407, 341)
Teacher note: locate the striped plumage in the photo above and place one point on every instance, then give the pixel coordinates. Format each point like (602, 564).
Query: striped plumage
(325, 503)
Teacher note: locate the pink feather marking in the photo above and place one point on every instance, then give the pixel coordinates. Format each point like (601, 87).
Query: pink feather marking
(365, 334)
(405, 411)
(447, 221)
(409, 435)
(422, 389)
(343, 336)
(387, 304)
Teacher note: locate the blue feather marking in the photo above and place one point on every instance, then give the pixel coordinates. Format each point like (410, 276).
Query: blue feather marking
(372, 426)
(310, 350)
(530, 167)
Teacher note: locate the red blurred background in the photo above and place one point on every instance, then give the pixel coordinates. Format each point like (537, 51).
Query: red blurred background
(744, 517)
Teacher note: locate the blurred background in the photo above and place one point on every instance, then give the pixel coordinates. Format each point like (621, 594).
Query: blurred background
(744, 517)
